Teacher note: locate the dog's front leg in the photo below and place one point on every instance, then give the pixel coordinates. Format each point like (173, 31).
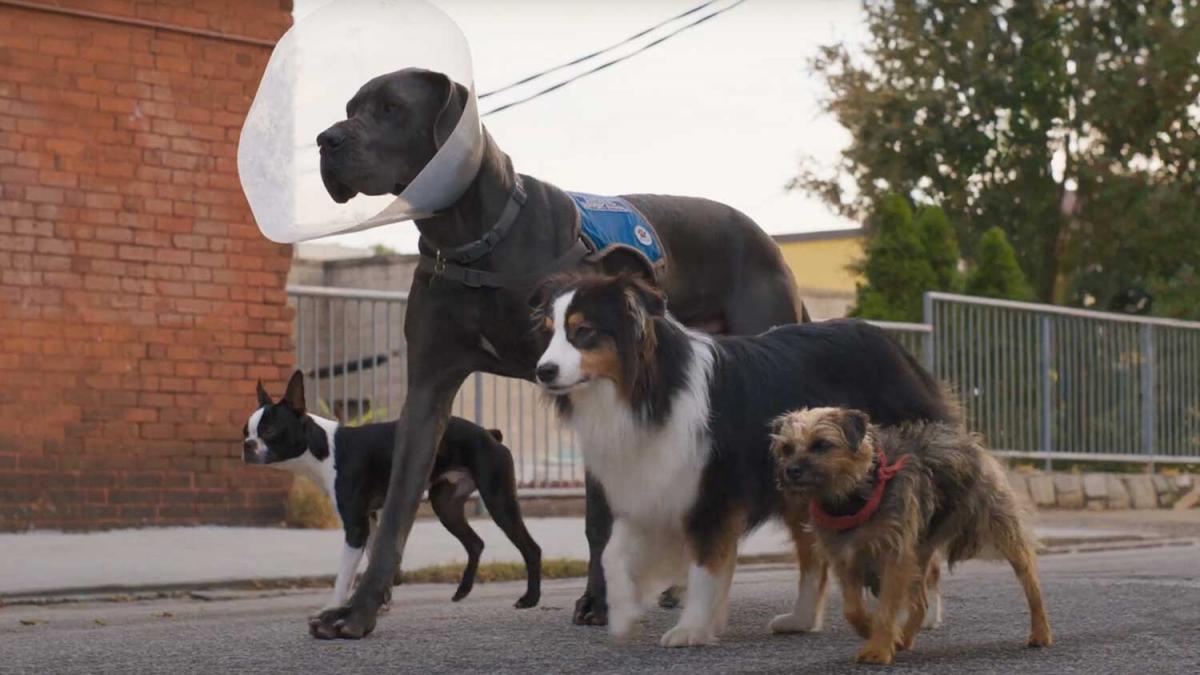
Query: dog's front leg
(432, 386)
(351, 557)
(625, 560)
(591, 609)
(898, 577)
(707, 591)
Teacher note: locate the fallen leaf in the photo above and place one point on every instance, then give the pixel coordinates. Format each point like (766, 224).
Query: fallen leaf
(166, 615)
(101, 622)
(31, 622)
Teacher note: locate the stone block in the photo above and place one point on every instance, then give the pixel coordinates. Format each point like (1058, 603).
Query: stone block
(1095, 485)
(1069, 488)
(1020, 486)
(1141, 492)
(1118, 494)
(1041, 487)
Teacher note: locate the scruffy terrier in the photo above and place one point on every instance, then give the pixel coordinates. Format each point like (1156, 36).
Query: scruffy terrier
(888, 501)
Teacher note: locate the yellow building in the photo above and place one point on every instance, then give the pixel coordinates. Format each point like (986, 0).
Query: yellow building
(820, 262)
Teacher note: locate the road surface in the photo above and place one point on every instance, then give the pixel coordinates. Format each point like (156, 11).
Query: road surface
(1134, 611)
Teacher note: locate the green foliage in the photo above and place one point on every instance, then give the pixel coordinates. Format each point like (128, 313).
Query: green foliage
(1069, 124)
(896, 269)
(996, 273)
(382, 250)
(941, 248)
(369, 417)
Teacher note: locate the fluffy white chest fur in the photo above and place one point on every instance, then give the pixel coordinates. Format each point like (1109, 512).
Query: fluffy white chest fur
(650, 474)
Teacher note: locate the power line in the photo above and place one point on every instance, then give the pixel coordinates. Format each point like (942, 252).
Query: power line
(598, 52)
(613, 62)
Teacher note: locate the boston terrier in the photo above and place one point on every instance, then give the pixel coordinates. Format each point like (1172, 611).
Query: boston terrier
(352, 465)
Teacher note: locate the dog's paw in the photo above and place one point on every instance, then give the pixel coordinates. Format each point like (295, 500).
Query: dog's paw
(342, 623)
(590, 611)
(875, 654)
(1041, 639)
(794, 623)
(688, 636)
(528, 600)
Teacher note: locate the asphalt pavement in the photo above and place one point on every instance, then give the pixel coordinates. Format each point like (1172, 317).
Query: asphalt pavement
(1125, 611)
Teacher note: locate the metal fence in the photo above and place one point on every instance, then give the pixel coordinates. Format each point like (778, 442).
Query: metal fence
(1051, 382)
(350, 345)
(1038, 381)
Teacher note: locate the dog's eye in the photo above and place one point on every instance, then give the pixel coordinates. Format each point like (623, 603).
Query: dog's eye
(389, 108)
(819, 446)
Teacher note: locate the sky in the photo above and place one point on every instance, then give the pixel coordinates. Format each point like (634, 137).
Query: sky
(724, 110)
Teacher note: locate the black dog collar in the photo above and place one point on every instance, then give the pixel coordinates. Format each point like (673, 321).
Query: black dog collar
(451, 263)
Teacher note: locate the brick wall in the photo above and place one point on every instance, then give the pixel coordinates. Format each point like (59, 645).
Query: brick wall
(138, 302)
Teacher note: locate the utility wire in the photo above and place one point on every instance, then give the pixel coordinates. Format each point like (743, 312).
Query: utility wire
(596, 53)
(613, 62)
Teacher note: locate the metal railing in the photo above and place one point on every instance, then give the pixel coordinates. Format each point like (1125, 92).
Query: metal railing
(350, 345)
(1036, 380)
(1049, 382)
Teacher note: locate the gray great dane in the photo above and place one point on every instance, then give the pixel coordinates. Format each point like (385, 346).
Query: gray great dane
(468, 309)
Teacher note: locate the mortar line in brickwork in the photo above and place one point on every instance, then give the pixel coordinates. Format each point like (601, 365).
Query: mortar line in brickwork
(134, 21)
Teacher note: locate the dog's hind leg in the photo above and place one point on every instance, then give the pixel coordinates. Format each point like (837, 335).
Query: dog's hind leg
(499, 494)
(933, 592)
(450, 510)
(1014, 544)
(808, 612)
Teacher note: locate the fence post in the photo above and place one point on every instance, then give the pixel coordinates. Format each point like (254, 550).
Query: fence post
(1149, 403)
(1047, 413)
(478, 399)
(927, 318)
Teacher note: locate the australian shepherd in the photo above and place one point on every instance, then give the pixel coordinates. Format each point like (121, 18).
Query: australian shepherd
(674, 424)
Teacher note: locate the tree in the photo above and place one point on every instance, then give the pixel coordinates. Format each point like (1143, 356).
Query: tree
(941, 248)
(1070, 124)
(896, 269)
(996, 273)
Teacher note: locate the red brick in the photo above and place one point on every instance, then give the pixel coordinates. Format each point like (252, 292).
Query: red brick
(131, 271)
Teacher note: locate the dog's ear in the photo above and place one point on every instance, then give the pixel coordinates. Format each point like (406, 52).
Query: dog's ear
(453, 98)
(546, 290)
(854, 427)
(264, 399)
(496, 435)
(294, 396)
(648, 296)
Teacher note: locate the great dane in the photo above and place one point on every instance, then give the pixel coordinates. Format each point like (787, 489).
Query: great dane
(468, 309)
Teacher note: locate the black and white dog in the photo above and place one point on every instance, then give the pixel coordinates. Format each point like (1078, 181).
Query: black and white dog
(352, 465)
(674, 423)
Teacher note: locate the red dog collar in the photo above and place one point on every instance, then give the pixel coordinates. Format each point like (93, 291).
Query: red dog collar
(883, 474)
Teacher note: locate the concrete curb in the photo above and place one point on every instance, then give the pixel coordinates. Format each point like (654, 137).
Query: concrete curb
(236, 589)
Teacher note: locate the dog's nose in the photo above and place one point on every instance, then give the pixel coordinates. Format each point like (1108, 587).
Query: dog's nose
(331, 138)
(547, 372)
(794, 473)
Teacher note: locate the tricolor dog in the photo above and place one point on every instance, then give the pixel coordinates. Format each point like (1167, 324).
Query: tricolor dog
(674, 423)
(352, 464)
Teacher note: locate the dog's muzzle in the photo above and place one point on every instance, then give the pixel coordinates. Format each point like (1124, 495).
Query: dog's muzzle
(250, 454)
